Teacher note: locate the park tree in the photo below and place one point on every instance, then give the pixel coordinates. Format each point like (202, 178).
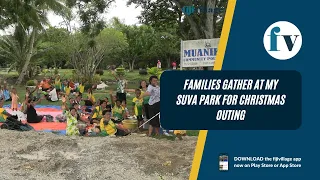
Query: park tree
(140, 40)
(160, 13)
(14, 50)
(55, 46)
(90, 14)
(115, 42)
(166, 47)
(87, 54)
(30, 16)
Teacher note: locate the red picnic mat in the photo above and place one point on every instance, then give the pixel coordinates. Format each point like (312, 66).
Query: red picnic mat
(55, 126)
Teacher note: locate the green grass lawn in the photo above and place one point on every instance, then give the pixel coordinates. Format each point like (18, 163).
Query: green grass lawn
(132, 77)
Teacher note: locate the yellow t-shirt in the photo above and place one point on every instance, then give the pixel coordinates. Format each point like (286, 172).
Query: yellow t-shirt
(68, 91)
(110, 128)
(92, 98)
(57, 83)
(138, 105)
(81, 88)
(2, 116)
(97, 113)
(182, 132)
(118, 112)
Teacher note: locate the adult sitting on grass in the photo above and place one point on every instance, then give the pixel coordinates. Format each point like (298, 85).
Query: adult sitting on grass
(52, 95)
(45, 84)
(32, 116)
(109, 128)
(29, 93)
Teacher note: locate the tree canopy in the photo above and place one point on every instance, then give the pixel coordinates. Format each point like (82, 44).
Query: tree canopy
(98, 44)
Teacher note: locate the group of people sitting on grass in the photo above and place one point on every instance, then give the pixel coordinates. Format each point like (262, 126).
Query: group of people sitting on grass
(87, 116)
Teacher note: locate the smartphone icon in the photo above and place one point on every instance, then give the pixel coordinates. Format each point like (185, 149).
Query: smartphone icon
(223, 162)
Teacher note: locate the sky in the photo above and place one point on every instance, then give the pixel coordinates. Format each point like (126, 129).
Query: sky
(127, 14)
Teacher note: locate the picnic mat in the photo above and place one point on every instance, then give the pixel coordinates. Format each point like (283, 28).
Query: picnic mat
(46, 126)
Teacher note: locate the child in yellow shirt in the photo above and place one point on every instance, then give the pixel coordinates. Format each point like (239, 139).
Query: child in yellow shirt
(109, 128)
(137, 108)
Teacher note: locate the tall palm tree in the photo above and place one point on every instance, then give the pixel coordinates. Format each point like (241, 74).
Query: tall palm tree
(15, 48)
(30, 15)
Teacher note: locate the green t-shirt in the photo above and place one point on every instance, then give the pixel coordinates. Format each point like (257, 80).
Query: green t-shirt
(146, 98)
(118, 112)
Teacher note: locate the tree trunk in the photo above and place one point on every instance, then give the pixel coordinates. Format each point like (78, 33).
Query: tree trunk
(28, 58)
(209, 22)
(168, 62)
(131, 65)
(193, 24)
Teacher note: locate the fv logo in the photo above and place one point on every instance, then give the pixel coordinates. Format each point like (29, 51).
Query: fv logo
(282, 40)
(188, 10)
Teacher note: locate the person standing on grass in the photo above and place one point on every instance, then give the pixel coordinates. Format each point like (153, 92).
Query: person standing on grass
(15, 99)
(154, 105)
(121, 86)
(159, 64)
(174, 65)
(137, 108)
(144, 87)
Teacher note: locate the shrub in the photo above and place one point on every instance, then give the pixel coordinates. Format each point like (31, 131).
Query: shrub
(120, 71)
(104, 79)
(38, 70)
(155, 72)
(96, 79)
(143, 72)
(30, 83)
(100, 72)
(87, 86)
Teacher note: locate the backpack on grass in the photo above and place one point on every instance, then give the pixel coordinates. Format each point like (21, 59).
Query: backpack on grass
(12, 123)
